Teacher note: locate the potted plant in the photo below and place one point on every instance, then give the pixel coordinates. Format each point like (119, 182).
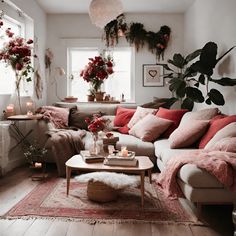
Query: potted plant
(186, 76)
(95, 72)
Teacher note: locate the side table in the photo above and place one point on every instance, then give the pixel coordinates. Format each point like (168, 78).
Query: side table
(22, 138)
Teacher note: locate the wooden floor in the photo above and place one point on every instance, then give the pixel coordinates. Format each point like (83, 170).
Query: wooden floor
(18, 183)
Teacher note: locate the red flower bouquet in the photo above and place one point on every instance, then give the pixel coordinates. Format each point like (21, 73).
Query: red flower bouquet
(97, 124)
(17, 53)
(97, 70)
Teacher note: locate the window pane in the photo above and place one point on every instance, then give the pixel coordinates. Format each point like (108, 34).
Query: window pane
(120, 81)
(7, 78)
(78, 59)
(117, 84)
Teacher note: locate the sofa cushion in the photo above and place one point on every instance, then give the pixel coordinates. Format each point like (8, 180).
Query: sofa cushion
(165, 153)
(226, 145)
(173, 115)
(205, 114)
(187, 134)
(139, 114)
(124, 129)
(135, 144)
(150, 128)
(215, 126)
(189, 173)
(226, 132)
(77, 117)
(123, 116)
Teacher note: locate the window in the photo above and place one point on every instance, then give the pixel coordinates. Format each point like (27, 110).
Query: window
(117, 84)
(7, 78)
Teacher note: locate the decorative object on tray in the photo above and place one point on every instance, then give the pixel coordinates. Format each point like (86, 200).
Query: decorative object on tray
(121, 158)
(95, 72)
(91, 158)
(17, 53)
(96, 125)
(109, 140)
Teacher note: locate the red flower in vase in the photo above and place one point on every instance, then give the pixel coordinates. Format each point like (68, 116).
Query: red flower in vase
(97, 124)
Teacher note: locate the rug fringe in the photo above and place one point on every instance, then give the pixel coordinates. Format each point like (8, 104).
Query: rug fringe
(103, 221)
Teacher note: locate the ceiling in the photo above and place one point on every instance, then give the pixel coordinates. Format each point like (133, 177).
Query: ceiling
(130, 6)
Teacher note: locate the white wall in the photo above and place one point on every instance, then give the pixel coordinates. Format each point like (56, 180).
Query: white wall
(79, 26)
(214, 20)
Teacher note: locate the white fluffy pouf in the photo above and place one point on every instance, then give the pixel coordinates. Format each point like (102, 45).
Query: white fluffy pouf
(115, 180)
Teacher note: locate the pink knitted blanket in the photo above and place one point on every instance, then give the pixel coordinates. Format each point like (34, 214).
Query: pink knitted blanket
(220, 164)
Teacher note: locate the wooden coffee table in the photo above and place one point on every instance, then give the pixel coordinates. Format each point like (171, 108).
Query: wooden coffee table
(144, 164)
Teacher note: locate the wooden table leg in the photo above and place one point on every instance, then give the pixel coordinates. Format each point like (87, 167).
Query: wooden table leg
(68, 175)
(150, 175)
(142, 175)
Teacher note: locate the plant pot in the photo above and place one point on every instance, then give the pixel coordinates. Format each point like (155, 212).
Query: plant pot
(99, 96)
(90, 98)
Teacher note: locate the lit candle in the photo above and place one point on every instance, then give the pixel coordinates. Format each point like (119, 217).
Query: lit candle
(124, 152)
(29, 106)
(10, 108)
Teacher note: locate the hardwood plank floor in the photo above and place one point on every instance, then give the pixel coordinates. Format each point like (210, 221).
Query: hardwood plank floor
(17, 184)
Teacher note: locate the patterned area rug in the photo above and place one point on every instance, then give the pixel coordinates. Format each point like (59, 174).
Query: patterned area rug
(49, 199)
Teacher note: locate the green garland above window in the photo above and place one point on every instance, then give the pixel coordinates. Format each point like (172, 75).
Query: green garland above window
(136, 35)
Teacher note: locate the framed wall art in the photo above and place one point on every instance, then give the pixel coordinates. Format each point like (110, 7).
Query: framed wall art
(153, 75)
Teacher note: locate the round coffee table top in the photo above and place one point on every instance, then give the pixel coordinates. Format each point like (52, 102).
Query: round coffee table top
(77, 162)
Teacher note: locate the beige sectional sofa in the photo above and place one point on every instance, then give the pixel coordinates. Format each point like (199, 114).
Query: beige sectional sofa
(197, 185)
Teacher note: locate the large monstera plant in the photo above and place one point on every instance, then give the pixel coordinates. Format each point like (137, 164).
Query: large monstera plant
(186, 77)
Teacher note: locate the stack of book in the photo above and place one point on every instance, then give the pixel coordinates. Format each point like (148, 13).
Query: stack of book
(118, 160)
(89, 158)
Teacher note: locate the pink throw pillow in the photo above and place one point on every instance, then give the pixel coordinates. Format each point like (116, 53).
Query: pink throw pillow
(225, 145)
(139, 114)
(215, 126)
(150, 128)
(59, 116)
(188, 133)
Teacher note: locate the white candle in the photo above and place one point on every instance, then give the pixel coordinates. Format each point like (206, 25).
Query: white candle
(10, 108)
(124, 152)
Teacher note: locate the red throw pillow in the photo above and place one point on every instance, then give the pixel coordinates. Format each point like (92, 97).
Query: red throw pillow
(215, 125)
(173, 115)
(123, 116)
(124, 130)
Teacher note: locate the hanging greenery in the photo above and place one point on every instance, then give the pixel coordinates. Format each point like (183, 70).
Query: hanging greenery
(114, 29)
(136, 35)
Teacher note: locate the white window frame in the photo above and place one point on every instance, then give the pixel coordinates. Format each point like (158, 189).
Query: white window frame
(88, 44)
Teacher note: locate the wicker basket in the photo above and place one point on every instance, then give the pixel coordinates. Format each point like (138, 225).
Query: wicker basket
(100, 192)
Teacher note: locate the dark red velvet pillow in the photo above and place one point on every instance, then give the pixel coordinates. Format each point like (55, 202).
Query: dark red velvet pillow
(123, 116)
(216, 124)
(173, 115)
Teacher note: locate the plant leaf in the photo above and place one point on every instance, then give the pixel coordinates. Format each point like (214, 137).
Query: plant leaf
(166, 67)
(194, 94)
(177, 61)
(225, 81)
(192, 55)
(208, 55)
(216, 97)
(208, 101)
(180, 91)
(225, 54)
(201, 79)
(187, 104)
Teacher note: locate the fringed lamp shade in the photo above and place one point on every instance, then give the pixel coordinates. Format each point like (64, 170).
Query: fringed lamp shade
(102, 12)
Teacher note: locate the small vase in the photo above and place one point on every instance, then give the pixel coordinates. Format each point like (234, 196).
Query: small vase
(94, 149)
(99, 96)
(90, 98)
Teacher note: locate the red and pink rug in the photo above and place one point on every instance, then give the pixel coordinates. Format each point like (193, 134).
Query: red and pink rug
(49, 199)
